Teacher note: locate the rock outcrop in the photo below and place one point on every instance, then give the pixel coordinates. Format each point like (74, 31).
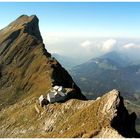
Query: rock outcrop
(121, 120)
(106, 117)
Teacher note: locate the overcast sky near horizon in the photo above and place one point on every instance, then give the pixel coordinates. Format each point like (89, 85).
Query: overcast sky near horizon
(71, 28)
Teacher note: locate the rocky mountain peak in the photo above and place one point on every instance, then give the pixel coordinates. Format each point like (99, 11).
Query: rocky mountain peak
(23, 20)
(112, 101)
(25, 24)
(120, 119)
(26, 67)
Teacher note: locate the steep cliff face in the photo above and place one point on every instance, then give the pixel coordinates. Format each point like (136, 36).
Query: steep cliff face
(26, 68)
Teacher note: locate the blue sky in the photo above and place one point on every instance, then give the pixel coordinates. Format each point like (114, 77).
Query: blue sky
(68, 27)
(93, 19)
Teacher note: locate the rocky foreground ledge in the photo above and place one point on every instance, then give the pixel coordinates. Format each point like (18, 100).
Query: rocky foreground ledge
(104, 117)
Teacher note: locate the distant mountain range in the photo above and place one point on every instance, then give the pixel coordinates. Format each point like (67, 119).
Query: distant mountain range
(112, 70)
(65, 61)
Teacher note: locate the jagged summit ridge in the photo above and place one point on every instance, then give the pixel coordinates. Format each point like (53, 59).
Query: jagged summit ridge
(25, 24)
(21, 21)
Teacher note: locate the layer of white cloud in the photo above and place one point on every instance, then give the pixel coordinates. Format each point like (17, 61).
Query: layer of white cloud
(131, 46)
(86, 44)
(84, 49)
(108, 45)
